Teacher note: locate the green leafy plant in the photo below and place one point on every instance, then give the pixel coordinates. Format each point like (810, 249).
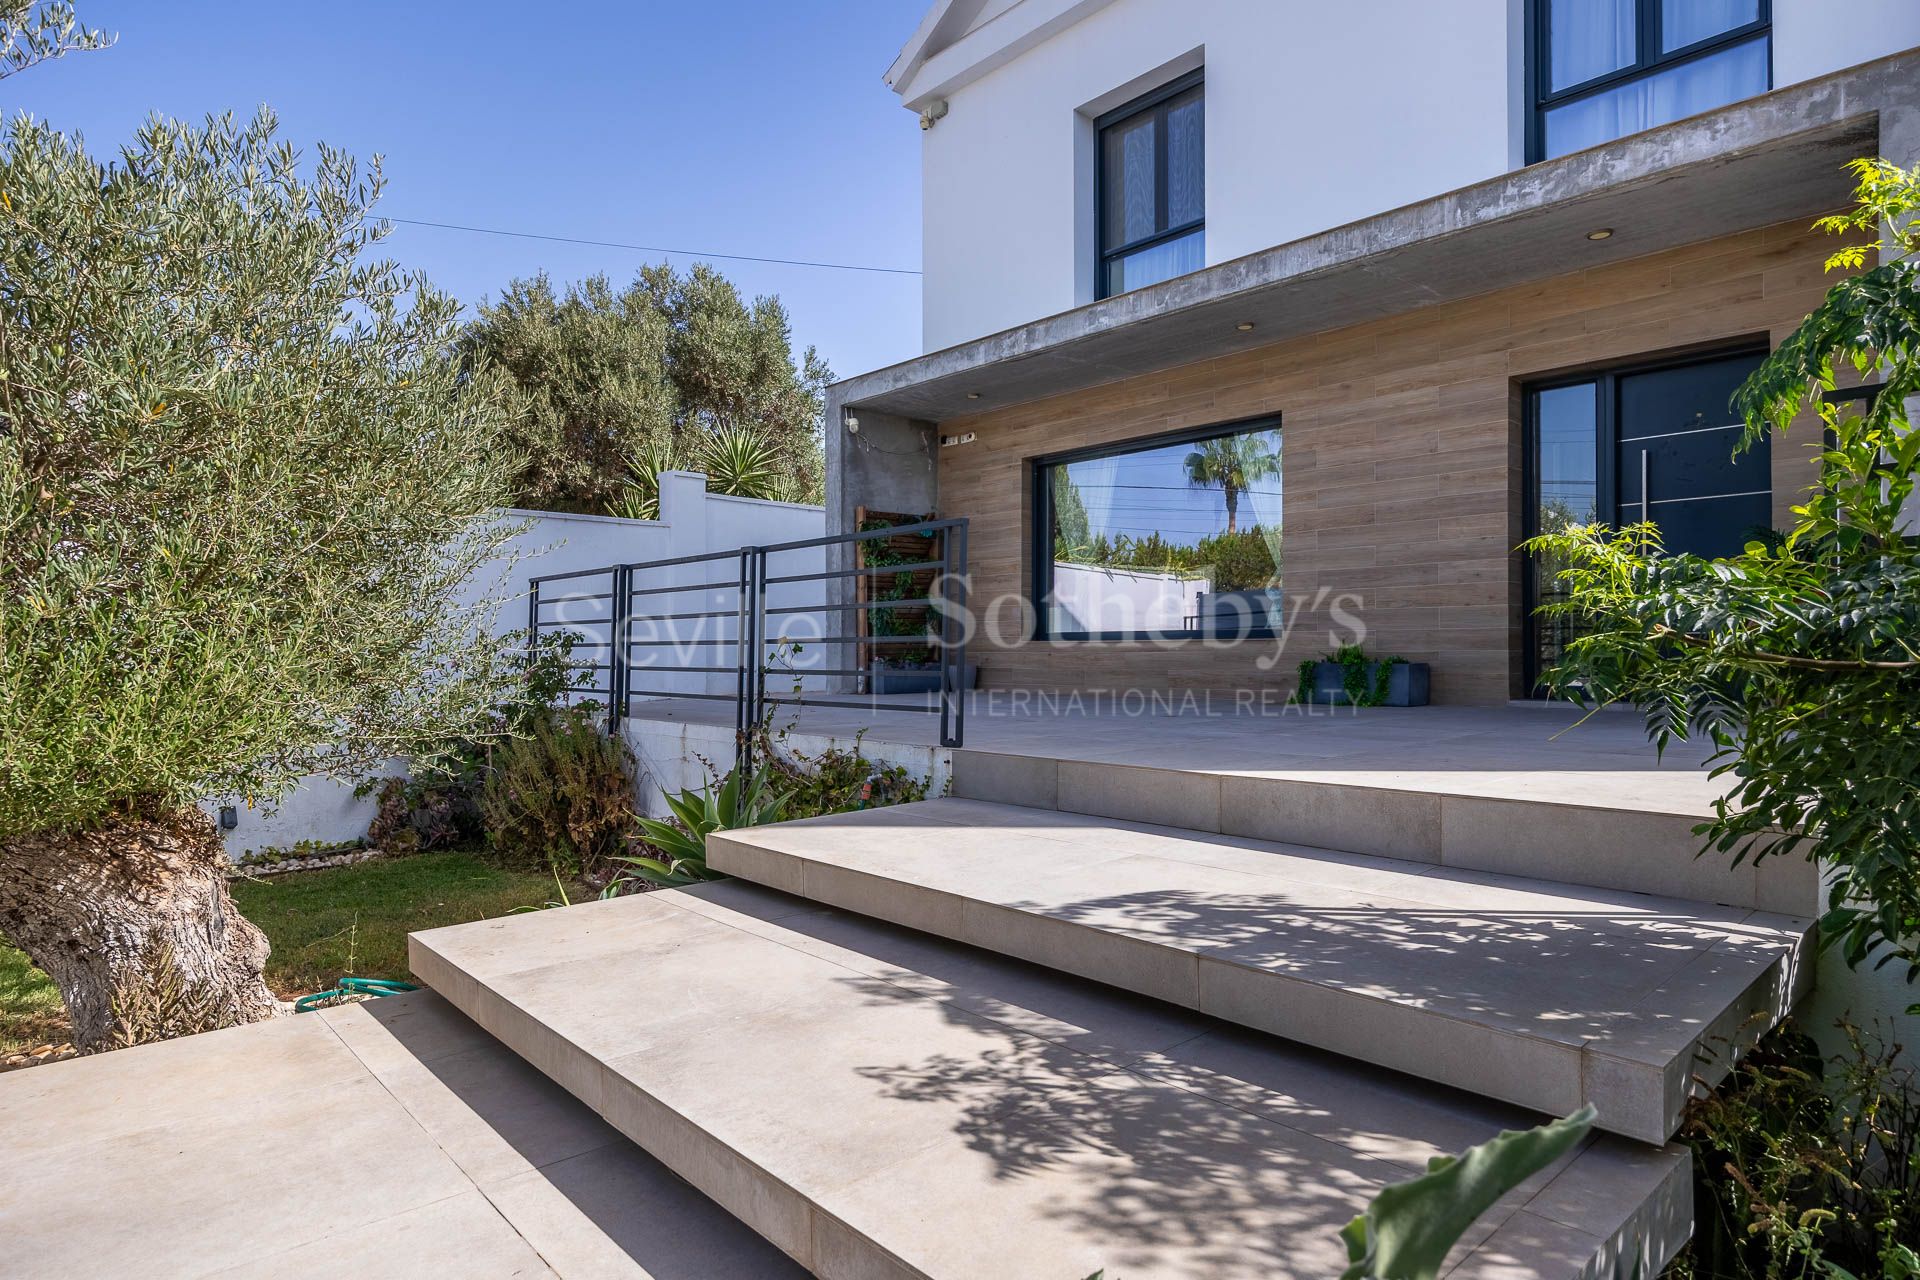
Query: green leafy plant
(680, 845)
(1805, 1165)
(1360, 689)
(1406, 1232)
(561, 797)
(1799, 658)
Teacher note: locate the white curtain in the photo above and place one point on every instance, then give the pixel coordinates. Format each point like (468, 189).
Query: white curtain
(1587, 38)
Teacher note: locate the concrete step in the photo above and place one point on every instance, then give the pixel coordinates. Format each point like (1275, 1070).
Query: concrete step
(1610, 821)
(880, 1103)
(1525, 991)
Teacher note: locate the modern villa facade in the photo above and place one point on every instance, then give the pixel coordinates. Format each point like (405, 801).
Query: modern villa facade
(1319, 316)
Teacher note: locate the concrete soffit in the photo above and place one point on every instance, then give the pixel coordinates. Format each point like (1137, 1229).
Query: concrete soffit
(1757, 163)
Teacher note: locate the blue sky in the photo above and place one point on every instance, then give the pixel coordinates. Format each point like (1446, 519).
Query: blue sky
(751, 127)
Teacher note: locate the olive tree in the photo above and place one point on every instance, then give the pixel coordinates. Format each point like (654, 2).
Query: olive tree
(1800, 657)
(242, 480)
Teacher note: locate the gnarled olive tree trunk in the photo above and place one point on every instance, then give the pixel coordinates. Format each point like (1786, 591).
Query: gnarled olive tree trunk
(134, 924)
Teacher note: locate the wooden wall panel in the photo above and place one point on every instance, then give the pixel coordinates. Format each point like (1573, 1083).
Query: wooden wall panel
(1401, 462)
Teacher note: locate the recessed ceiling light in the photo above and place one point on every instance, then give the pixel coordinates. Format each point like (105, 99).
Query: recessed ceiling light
(1244, 325)
(1600, 233)
(973, 395)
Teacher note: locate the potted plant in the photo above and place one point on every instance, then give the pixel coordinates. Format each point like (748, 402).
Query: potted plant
(1348, 677)
(913, 669)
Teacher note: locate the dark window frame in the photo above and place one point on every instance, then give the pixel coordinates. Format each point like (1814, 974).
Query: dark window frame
(1606, 490)
(1040, 504)
(1648, 60)
(1156, 101)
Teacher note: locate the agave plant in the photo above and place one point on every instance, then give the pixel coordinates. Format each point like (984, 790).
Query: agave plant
(682, 843)
(741, 462)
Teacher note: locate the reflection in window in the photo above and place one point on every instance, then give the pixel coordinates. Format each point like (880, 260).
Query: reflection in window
(1566, 424)
(1174, 538)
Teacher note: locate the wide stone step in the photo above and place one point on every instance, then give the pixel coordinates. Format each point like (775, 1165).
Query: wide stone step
(880, 1103)
(1535, 993)
(1517, 811)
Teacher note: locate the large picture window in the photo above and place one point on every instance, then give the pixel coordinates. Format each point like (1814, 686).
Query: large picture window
(1178, 536)
(1153, 188)
(1602, 69)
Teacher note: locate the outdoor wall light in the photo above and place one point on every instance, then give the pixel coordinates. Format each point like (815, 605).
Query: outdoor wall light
(229, 817)
(973, 395)
(1600, 233)
(1245, 326)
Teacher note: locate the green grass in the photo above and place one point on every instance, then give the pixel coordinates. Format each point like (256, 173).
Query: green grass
(322, 924)
(30, 1008)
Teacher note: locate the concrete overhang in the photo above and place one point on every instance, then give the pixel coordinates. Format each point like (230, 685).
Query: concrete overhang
(1759, 162)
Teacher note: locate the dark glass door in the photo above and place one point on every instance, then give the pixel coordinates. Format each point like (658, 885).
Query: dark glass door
(1675, 462)
(1648, 444)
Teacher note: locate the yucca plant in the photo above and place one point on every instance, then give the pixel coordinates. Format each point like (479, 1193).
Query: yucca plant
(741, 462)
(639, 498)
(682, 843)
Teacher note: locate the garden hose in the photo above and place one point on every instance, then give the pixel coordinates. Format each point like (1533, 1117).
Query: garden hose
(353, 987)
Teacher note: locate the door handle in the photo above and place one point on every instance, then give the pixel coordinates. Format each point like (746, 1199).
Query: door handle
(1645, 494)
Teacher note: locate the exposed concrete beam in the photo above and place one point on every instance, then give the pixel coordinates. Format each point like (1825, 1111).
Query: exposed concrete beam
(1758, 162)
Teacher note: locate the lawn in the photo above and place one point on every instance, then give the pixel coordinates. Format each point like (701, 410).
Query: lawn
(323, 924)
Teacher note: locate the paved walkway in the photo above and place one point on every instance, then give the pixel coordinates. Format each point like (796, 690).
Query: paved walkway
(393, 1138)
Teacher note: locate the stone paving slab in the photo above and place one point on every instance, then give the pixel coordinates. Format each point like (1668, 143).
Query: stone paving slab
(1540, 994)
(1521, 790)
(881, 1103)
(391, 1138)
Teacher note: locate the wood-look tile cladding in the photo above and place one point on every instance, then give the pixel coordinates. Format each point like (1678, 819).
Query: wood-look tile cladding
(1401, 463)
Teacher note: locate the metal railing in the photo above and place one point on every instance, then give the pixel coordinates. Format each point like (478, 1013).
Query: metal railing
(662, 628)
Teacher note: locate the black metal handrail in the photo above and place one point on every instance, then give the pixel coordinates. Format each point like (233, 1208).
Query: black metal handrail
(749, 584)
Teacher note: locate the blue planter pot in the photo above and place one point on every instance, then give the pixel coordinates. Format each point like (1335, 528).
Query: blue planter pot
(1406, 683)
(882, 679)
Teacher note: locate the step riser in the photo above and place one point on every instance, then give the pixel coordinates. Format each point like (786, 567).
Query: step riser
(1637, 1099)
(1624, 848)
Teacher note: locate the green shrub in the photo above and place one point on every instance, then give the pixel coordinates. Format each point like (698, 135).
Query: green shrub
(560, 798)
(1805, 1167)
(438, 803)
(840, 781)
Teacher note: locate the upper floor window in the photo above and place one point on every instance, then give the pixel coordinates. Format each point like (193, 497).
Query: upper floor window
(1153, 187)
(1602, 69)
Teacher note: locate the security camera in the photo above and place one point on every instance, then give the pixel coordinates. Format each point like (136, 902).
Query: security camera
(853, 425)
(935, 110)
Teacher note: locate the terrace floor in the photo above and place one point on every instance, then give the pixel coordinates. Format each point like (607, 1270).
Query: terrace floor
(389, 1138)
(1550, 753)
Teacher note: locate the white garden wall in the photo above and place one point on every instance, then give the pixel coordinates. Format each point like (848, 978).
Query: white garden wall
(693, 522)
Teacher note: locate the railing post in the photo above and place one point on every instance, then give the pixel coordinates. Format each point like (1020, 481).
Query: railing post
(742, 640)
(618, 638)
(533, 621)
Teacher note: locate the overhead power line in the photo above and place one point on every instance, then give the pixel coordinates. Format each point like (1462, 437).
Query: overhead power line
(648, 248)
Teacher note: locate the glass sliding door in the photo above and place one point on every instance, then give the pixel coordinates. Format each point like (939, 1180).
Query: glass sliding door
(1647, 445)
(1565, 447)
